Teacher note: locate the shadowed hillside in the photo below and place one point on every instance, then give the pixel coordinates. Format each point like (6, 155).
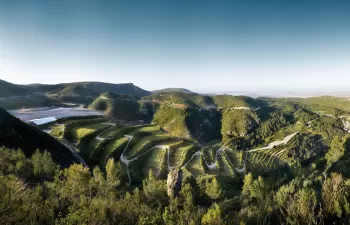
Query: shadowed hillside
(43, 87)
(14, 96)
(87, 91)
(204, 118)
(124, 108)
(16, 134)
(7, 89)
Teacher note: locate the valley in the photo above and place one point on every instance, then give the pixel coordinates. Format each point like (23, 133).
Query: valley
(219, 146)
(182, 112)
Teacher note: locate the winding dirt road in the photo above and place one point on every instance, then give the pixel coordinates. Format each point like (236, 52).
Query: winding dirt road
(126, 161)
(210, 166)
(275, 143)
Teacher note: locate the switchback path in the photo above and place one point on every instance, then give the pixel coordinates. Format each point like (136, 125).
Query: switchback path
(275, 143)
(210, 166)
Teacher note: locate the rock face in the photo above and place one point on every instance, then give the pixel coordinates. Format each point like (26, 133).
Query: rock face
(174, 182)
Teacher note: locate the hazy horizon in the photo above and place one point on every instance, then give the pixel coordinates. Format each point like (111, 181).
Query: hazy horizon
(252, 93)
(248, 46)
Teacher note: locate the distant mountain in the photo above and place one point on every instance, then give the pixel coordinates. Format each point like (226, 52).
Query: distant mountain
(38, 95)
(342, 103)
(8, 89)
(16, 134)
(14, 96)
(97, 88)
(202, 101)
(183, 90)
(87, 92)
(74, 89)
(44, 87)
(235, 93)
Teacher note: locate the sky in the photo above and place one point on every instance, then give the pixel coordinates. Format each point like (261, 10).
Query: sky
(202, 45)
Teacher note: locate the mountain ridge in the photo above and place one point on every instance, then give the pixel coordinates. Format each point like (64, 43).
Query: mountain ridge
(98, 87)
(183, 90)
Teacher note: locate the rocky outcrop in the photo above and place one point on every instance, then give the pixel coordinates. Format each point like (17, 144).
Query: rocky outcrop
(174, 182)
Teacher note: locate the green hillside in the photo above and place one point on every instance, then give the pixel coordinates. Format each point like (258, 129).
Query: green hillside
(183, 90)
(329, 101)
(236, 141)
(28, 101)
(186, 115)
(204, 118)
(41, 88)
(203, 101)
(97, 140)
(173, 120)
(11, 90)
(124, 108)
(74, 93)
(16, 134)
(188, 122)
(238, 122)
(241, 159)
(86, 92)
(188, 99)
(14, 96)
(228, 101)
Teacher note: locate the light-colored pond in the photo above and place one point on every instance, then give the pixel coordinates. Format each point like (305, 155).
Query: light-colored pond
(42, 114)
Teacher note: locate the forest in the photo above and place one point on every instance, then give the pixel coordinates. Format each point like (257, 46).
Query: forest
(36, 190)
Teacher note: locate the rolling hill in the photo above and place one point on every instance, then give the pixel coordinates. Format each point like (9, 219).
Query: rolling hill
(183, 90)
(203, 101)
(227, 150)
(9, 90)
(42, 88)
(87, 92)
(124, 108)
(14, 96)
(97, 88)
(342, 103)
(204, 118)
(184, 115)
(221, 142)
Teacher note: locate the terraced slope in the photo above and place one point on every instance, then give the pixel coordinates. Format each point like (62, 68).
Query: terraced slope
(142, 148)
(273, 137)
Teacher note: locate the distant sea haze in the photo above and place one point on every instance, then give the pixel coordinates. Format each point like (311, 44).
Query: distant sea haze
(286, 94)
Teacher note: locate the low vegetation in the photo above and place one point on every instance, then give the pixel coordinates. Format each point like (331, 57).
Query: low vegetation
(78, 195)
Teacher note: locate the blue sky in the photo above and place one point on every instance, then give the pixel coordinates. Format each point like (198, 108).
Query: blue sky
(249, 45)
